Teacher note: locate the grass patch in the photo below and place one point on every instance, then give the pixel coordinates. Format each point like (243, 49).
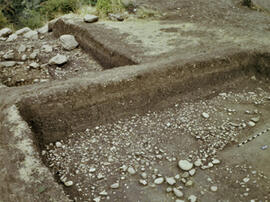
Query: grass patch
(3, 20)
(144, 13)
(104, 7)
(53, 8)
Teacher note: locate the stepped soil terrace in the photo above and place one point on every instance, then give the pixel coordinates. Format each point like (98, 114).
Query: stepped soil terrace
(170, 109)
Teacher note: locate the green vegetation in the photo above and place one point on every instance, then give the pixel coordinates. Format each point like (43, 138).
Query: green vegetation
(52, 8)
(3, 20)
(109, 6)
(35, 13)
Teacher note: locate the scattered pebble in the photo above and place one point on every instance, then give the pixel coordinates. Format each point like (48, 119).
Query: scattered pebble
(213, 188)
(115, 185)
(159, 180)
(170, 180)
(251, 124)
(205, 115)
(131, 170)
(185, 165)
(192, 198)
(68, 183)
(178, 193)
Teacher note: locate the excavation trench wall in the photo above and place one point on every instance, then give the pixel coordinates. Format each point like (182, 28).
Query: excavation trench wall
(105, 48)
(73, 105)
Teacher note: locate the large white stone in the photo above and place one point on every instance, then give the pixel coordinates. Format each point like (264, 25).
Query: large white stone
(7, 64)
(185, 165)
(44, 29)
(68, 42)
(90, 18)
(178, 193)
(12, 37)
(58, 60)
(23, 30)
(31, 35)
(159, 180)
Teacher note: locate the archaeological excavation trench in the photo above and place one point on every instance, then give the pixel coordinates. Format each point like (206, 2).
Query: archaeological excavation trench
(127, 125)
(118, 136)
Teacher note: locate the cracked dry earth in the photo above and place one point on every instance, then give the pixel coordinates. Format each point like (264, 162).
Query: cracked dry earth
(30, 58)
(181, 153)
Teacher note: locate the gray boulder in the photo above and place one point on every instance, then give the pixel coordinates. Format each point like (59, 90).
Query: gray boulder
(68, 42)
(12, 37)
(33, 35)
(43, 30)
(90, 18)
(58, 60)
(23, 30)
(7, 64)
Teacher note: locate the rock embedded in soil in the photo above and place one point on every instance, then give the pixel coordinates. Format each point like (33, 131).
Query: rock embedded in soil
(47, 48)
(215, 161)
(34, 65)
(58, 144)
(68, 42)
(170, 180)
(192, 172)
(9, 55)
(97, 199)
(12, 37)
(44, 29)
(68, 183)
(255, 119)
(22, 48)
(185, 165)
(58, 60)
(189, 183)
(103, 193)
(143, 182)
(23, 30)
(5, 32)
(205, 115)
(131, 170)
(115, 185)
(159, 180)
(178, 193)
(192, 198)
(33, 35)
(213, 188)
(117, 17)
(198, 163)
(251, 124)
(7, 64)
(90, 18)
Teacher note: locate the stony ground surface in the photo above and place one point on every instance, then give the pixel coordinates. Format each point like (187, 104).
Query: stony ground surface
(29, 61)
(172, 155)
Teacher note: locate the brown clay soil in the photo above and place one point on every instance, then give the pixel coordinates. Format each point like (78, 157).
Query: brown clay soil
(75, 153)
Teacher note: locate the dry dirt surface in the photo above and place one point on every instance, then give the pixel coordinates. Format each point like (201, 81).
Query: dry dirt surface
(35, 67)
(181, 115)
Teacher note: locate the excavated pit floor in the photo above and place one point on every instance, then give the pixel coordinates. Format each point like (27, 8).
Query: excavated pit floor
(97, 158)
